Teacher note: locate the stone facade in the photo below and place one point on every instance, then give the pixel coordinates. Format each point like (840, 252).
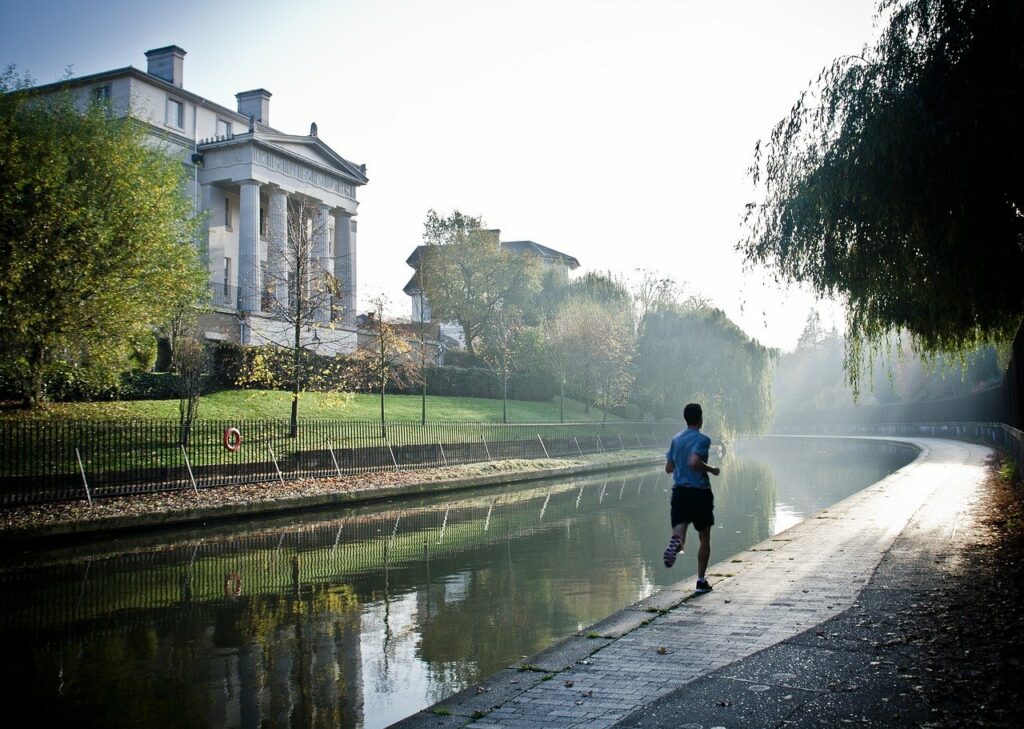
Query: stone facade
(253, 182)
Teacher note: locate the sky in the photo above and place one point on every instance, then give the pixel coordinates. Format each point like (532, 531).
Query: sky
(617, 132)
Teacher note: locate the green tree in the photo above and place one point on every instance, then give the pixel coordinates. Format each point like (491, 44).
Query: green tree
(694, 353)
(96, 241)
(469, 278)
(894, 183)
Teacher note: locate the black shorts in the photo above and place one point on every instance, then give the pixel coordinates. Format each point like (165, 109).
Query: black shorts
(693, 506)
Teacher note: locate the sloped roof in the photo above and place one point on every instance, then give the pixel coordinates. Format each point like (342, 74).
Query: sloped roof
(515, 247)
(529, 246)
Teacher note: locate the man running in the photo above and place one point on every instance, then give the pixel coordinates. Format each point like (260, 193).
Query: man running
(692, 500)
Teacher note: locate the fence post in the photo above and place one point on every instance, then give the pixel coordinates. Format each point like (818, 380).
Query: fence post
(189, 467)
(81, 469)
(443, 456)
(336, 467)
(578, 445)
(600, 445)
(276, 467)
(393, 459)
(622, 447)
(486, 449)
(543, 446)
(638, 441)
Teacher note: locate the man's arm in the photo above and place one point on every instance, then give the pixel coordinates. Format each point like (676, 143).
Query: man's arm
(697, 464)
(670, 466)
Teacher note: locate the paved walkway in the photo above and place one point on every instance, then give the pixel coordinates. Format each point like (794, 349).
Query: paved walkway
(652, 657)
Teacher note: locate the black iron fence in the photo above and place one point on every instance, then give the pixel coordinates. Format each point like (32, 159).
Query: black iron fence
(999, 435)
(43, 461)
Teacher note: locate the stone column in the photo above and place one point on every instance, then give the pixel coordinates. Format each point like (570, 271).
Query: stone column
(322, 265)
(249, 283)
(214, 268)
(345, 264)
(277, 248)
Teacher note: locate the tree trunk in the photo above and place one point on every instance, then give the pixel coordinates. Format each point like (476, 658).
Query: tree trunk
(294, 429)
(504, 399)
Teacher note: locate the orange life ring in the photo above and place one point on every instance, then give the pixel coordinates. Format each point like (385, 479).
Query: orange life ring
(232, 585)
(232, 439)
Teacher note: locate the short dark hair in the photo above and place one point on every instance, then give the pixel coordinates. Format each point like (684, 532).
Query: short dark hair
(692, 414)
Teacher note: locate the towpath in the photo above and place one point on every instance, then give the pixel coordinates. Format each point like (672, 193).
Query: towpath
(792, 624)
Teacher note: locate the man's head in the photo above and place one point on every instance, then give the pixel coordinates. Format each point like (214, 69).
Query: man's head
(693, 415)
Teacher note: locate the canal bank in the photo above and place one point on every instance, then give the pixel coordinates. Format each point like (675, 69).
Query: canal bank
(66, 521)
(760, 650)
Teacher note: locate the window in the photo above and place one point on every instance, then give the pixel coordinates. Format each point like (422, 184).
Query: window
(227, 213)
(223, 128)
(227, 278)
(101, 94)
(175, 113)
(263, 222)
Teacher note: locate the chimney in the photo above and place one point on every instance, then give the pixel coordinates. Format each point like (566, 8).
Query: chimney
(166, 63)
(255, 103)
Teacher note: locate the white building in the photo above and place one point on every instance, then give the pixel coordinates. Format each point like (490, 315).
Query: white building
(246, 176)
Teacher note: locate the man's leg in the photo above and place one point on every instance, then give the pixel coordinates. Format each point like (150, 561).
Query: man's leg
(704, 555)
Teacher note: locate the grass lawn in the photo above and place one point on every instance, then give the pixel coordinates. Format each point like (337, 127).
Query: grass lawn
(275, 405)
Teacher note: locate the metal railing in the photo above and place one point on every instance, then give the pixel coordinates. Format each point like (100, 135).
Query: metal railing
(999, 435)
(53, 460)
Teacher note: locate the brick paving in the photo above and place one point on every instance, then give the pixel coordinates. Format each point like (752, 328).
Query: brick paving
(772, 592)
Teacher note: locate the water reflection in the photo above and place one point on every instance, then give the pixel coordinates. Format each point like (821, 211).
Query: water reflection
(360, 619)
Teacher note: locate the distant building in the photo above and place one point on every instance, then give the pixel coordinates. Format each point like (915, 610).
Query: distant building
(247, 176)
(555, 261)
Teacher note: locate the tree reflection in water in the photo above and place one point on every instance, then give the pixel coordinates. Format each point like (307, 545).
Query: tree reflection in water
(316, 620)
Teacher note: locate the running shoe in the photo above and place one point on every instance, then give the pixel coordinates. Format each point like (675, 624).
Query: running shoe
(702, 586)
(675, 546)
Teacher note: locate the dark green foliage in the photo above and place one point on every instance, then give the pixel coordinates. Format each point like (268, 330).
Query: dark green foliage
(897, 185)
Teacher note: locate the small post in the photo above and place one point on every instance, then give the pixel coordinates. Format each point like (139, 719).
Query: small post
(393, 459)
(486, 449)
(189, 467)
(336, 467)
(443, 456)
(576, 440)
(546, 454)
(81, 469)
(444, 525)
(276, 467)
(654, 437)
(394, 532)
(638, 441)
(600, 445)
(621, 446)
(336, 538)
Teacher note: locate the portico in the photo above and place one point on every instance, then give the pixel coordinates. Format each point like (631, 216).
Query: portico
(264, 193)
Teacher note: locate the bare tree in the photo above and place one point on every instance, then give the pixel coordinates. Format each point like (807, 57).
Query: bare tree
(386, 358)
(189, 361)
(300, 289)
(501, 349)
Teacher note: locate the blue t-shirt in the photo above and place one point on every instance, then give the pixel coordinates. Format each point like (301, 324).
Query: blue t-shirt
(684, 444)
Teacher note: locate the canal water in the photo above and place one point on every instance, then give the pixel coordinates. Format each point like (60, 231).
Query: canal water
(360, 617)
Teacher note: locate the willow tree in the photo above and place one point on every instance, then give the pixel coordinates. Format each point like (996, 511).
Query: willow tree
(96, 241)
(692, 352)
(894, 182)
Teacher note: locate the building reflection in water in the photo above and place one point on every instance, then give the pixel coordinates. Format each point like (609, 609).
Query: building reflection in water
(319, 621)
